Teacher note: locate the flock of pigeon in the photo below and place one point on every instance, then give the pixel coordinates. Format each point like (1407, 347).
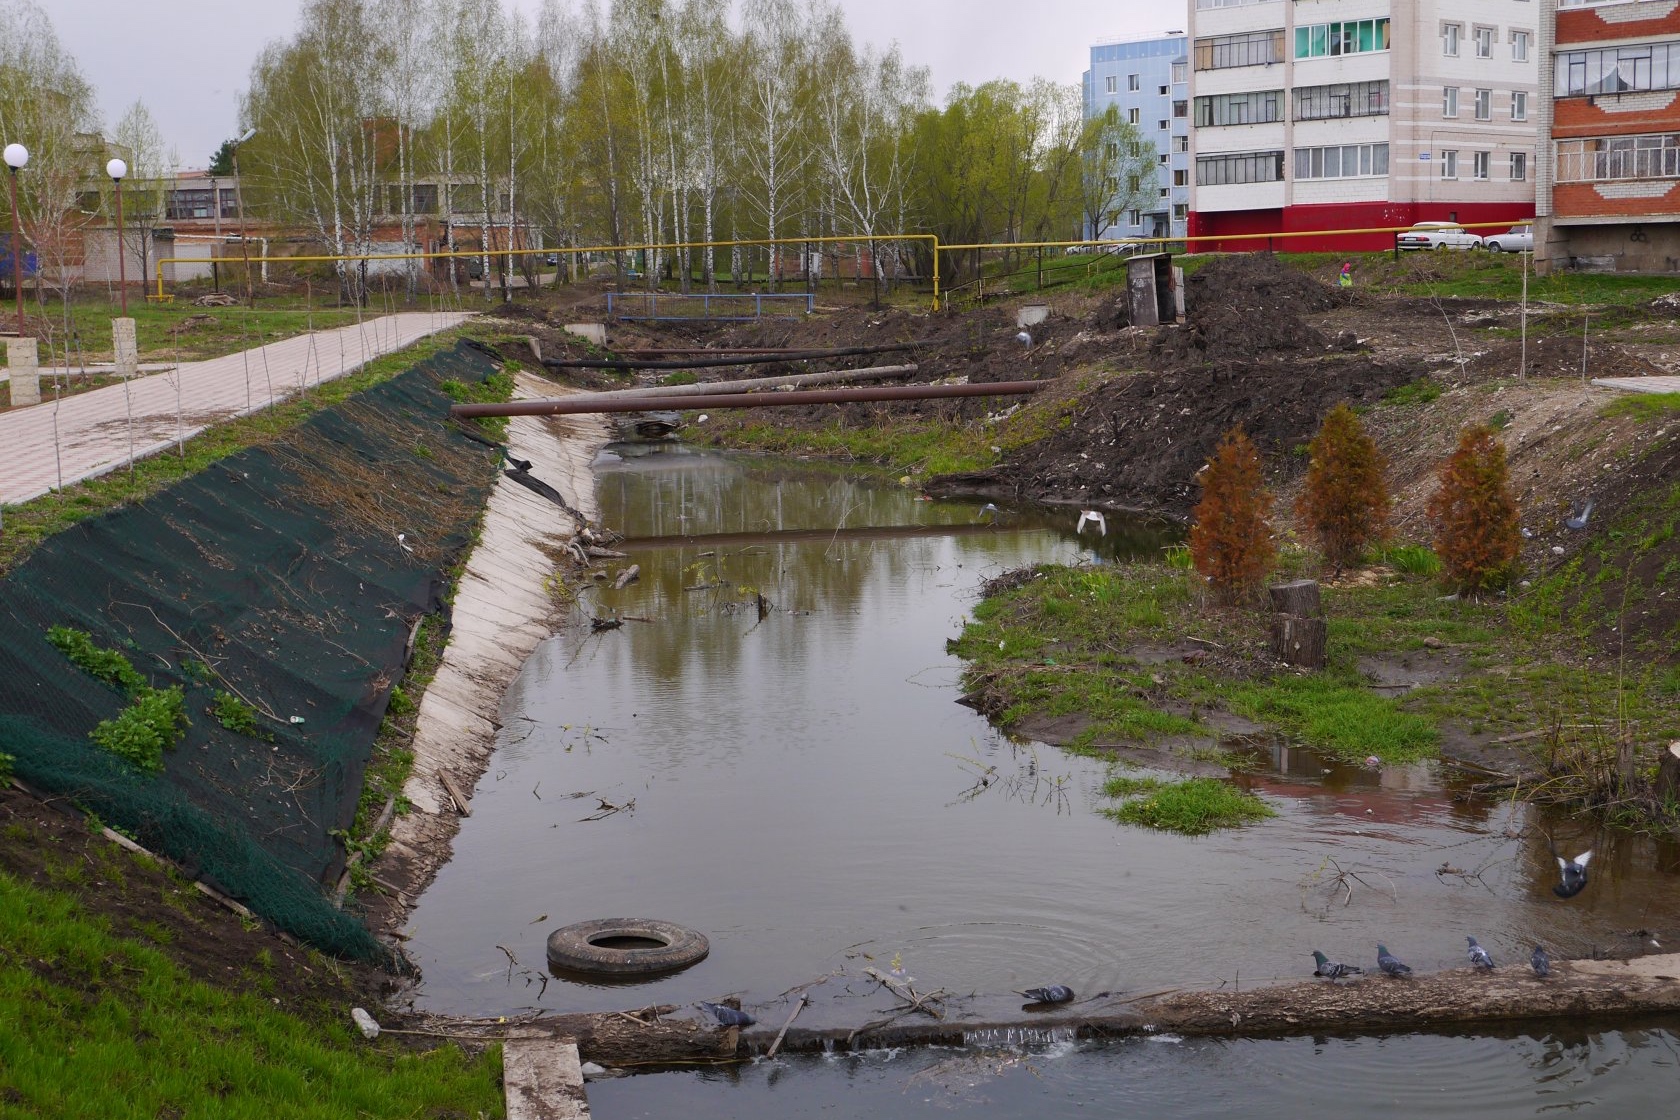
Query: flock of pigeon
(1572, 881)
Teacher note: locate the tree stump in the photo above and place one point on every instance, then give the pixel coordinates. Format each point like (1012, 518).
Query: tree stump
(1300, 641)
(1668, 773)
(1298, 597)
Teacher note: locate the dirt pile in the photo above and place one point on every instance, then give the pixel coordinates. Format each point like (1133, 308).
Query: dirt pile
(1243, 306)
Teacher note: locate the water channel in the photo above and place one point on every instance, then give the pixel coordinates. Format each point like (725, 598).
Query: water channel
(807, 792)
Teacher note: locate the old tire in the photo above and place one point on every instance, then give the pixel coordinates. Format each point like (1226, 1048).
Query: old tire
(589, 947)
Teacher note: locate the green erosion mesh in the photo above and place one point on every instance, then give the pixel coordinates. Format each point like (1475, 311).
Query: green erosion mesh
(291, 575)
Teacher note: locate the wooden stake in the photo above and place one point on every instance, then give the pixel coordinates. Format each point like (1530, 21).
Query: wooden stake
(781, 1034)
(455, 793)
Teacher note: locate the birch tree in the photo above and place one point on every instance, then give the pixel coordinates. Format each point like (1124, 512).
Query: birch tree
(145, 193)
(774, 142)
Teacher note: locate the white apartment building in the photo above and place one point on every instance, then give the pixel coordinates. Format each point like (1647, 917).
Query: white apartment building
(1312, 115)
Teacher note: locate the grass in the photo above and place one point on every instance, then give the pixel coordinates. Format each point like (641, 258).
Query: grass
(178, 331)
(1193, 807)
(32, 522)
(1644, 407)
(1342, 719)
(102, 1026)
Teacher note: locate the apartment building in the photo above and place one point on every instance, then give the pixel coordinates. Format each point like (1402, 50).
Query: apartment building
(1609, 183)
(1311, 115)
(1147, 82)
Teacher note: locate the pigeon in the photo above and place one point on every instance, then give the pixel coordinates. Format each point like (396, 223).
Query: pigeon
(1390, 963)
(1334, 970)
(1479, 956)
(1052, 993)
(1095, 517)
(1573, 873)
(1024, 338)
(727, 1016)
(1541, 962)
(1578, 521)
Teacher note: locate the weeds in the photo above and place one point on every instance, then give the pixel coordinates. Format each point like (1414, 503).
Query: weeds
(1193, 807)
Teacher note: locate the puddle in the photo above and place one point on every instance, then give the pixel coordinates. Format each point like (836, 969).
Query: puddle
(808, 793)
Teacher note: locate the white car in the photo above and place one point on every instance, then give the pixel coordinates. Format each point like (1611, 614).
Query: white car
(1517, 239)
(1438, 235)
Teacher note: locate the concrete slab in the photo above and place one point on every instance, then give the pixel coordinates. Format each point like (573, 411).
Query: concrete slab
(542, 1079)
(1661, 384)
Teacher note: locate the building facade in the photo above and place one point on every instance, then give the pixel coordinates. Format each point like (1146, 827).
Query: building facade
(1146, 81)
(1609, 184)
(1311, 115)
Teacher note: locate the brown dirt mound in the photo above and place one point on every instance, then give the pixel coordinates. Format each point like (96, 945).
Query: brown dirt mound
(1242, 306)
(1139, 441)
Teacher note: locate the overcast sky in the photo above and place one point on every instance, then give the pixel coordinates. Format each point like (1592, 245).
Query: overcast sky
(189, 60)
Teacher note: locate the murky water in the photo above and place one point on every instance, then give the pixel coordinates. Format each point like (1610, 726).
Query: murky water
(806, 792)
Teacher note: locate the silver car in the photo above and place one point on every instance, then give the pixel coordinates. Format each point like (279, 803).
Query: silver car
(1438, 235)
(1518, 239)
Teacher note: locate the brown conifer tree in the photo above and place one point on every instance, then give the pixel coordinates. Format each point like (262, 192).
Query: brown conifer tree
(1231, 537)
(1475, 512)
(1344, 503)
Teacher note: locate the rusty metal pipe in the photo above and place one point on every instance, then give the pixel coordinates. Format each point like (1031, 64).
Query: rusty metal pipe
(581, 404)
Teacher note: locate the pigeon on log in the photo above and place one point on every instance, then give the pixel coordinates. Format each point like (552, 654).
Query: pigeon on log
(1479, 956)
(1390, 963)
(727, 1016)
(1334, 970)
(1050, 993)
(1573, 873)
(1541, 963)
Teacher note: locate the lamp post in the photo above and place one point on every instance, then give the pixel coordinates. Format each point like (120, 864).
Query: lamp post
(17, 156)
(118, 170)
(239, 200)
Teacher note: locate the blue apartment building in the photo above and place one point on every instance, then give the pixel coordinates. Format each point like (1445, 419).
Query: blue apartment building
(1148, 81)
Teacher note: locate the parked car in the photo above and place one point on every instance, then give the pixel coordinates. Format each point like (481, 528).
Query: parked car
(1439, 235)
(1518, 239)
(551, 259)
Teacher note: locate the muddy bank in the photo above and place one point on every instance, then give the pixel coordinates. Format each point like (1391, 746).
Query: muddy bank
(505, 605)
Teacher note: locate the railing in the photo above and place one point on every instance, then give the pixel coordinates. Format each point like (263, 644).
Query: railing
(718, 307)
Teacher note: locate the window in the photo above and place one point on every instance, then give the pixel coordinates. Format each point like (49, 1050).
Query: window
(1181, 143)
(1341, 161)
(1519, 166)
(1449, 38)
(182, 205)
(1239, 167)
(1484, 104)
(1163, 159)
(1164, 90)
(1484, 41)
(1479, 165)
(1648, 66)
(1519, 105)
(1449, 101)
(1111, 151)
(1111, 84)
(1202, 4)
(1255, 48)
(230, 201)
(1519, 46)
(1133, 218)
(1180, 211)
(1354, 36)
(1449, 164)
(1134, 116)
(1351, 99)
(1263, 107)
(1180, 73)
(1655, 156)
(1181, 177)
(1165, 192)
(1131, 81)
(1163, 125)
(1181, 108)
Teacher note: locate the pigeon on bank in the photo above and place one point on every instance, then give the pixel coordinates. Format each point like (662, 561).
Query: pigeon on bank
(727, 1016)
(1573, 873)
(1479, 956)
(1051, 993)
(1541, 963)
(1390, 963)
(1334, 970)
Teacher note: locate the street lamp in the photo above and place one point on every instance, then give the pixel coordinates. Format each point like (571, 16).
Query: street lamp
(17, 156)
(118, 170)
(239, 200)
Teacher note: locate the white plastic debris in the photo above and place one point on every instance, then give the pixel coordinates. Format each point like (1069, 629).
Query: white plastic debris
(590, 1069)
(369, 1028)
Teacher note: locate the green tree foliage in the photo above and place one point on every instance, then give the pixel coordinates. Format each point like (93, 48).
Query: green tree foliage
(1231, 535)
(1477, 535)
(1345, 500)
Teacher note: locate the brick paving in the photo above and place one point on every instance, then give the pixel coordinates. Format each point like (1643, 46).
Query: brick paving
(55, 444)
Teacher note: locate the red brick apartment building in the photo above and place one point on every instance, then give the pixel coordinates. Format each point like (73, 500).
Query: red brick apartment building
(1609, 168)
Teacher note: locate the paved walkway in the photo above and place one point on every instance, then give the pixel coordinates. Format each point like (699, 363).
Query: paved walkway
(1660, 384)
(55, 444)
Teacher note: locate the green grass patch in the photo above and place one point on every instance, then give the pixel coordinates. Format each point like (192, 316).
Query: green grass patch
(1421, 391)
(934, 448)
(97, 1025)
(1412, 559)
(1644, 407)
(1340, 719)
(102, 664)
(180, 331)
(1193, 807)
